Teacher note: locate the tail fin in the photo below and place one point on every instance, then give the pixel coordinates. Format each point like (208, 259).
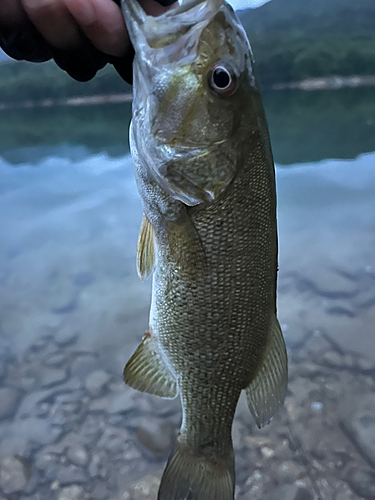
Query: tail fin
(192, 477)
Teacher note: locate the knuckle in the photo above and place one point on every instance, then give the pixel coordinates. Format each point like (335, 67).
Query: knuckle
(42, 8)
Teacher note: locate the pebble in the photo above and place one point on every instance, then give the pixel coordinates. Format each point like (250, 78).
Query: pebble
(83, 365)
(98, 465)
(100, 404)
(365, 365)
(114, 440)
(96, 381)
(84, 278)
(62, 295)
(31, 401)
(100, 491)
(122, 403)
(327, 283)
(45, 460)
(71, 474)
(333, 359)
(74, 492)
(302, 388)
(53, 376)
(254, 486)
(344, 495)
(3, 371)
(145, 489)
(78, 455)
(40, 344)
(55, 359)
(289, 471)
(14, 444)
(66, 337)
(156, 436)
(289, 492)
(9, 400)
(362, 482)
(13, 475)
(361, 426)
(37, 431)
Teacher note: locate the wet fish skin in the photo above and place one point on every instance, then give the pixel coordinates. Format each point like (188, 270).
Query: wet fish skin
(204, 169)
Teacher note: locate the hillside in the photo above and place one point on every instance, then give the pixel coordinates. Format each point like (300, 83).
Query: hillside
(314, 16)
(22, 81)
(291, 39)
(294, 39)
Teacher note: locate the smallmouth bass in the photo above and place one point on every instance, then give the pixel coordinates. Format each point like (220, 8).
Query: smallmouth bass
(204, 170)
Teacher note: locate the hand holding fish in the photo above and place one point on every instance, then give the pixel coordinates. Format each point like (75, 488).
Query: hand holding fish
(81, 35)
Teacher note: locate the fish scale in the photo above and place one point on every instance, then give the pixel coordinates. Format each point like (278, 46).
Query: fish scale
(206, 178)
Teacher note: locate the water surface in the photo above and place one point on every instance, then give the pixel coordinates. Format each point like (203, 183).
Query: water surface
(69, 220)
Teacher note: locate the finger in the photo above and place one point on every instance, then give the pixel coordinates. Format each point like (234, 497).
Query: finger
(103, 24)
(11, 13)
(53, 20)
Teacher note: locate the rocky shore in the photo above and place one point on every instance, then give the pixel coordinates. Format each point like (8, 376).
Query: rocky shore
(70, 429)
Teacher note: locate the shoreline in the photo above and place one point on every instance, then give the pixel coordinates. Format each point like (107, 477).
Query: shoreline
(69, 101)
(309, 84)
(327, 83)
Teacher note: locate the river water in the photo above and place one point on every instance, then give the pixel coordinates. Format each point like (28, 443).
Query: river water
(69, 220)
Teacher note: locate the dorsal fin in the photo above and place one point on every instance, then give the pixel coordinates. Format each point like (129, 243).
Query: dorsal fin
(145, 249)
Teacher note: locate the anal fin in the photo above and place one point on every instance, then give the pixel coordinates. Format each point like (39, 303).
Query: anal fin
(145, 249)
(266, 391)
(147, 372)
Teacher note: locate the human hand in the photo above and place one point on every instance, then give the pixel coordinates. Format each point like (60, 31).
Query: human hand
(81, 35)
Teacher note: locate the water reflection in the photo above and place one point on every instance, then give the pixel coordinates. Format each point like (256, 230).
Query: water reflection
(304, 127)
(72, 310)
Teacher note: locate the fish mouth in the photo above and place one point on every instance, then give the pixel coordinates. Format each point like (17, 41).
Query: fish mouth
(146, 31)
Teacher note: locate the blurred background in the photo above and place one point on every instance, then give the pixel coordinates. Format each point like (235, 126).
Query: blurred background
(72, 308)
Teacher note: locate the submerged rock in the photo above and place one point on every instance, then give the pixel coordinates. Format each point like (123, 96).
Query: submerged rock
(55, 359)
(84, 278)
(9, 400)
(289, 492)
(100, 491)
(96, 381)
(53, 376)
(362, 482)
(144, 489)
(73, 492)
(13, 474)
(66, 337)
(78, 455)
(83, 365)
(156, 436)
(361, 427)
(121, 403)
(71, 474)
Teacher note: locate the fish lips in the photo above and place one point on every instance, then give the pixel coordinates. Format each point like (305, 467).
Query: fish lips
(148, 33)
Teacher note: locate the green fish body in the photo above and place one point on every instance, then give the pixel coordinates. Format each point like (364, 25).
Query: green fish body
(204, 169)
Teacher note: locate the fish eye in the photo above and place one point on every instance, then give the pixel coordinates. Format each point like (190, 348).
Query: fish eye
(222, 80)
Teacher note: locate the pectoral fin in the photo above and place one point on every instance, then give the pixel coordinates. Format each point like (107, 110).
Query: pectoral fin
(145, 249)
(147, 372)
(266, 391)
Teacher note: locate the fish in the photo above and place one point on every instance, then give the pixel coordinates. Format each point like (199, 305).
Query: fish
(204, 169)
